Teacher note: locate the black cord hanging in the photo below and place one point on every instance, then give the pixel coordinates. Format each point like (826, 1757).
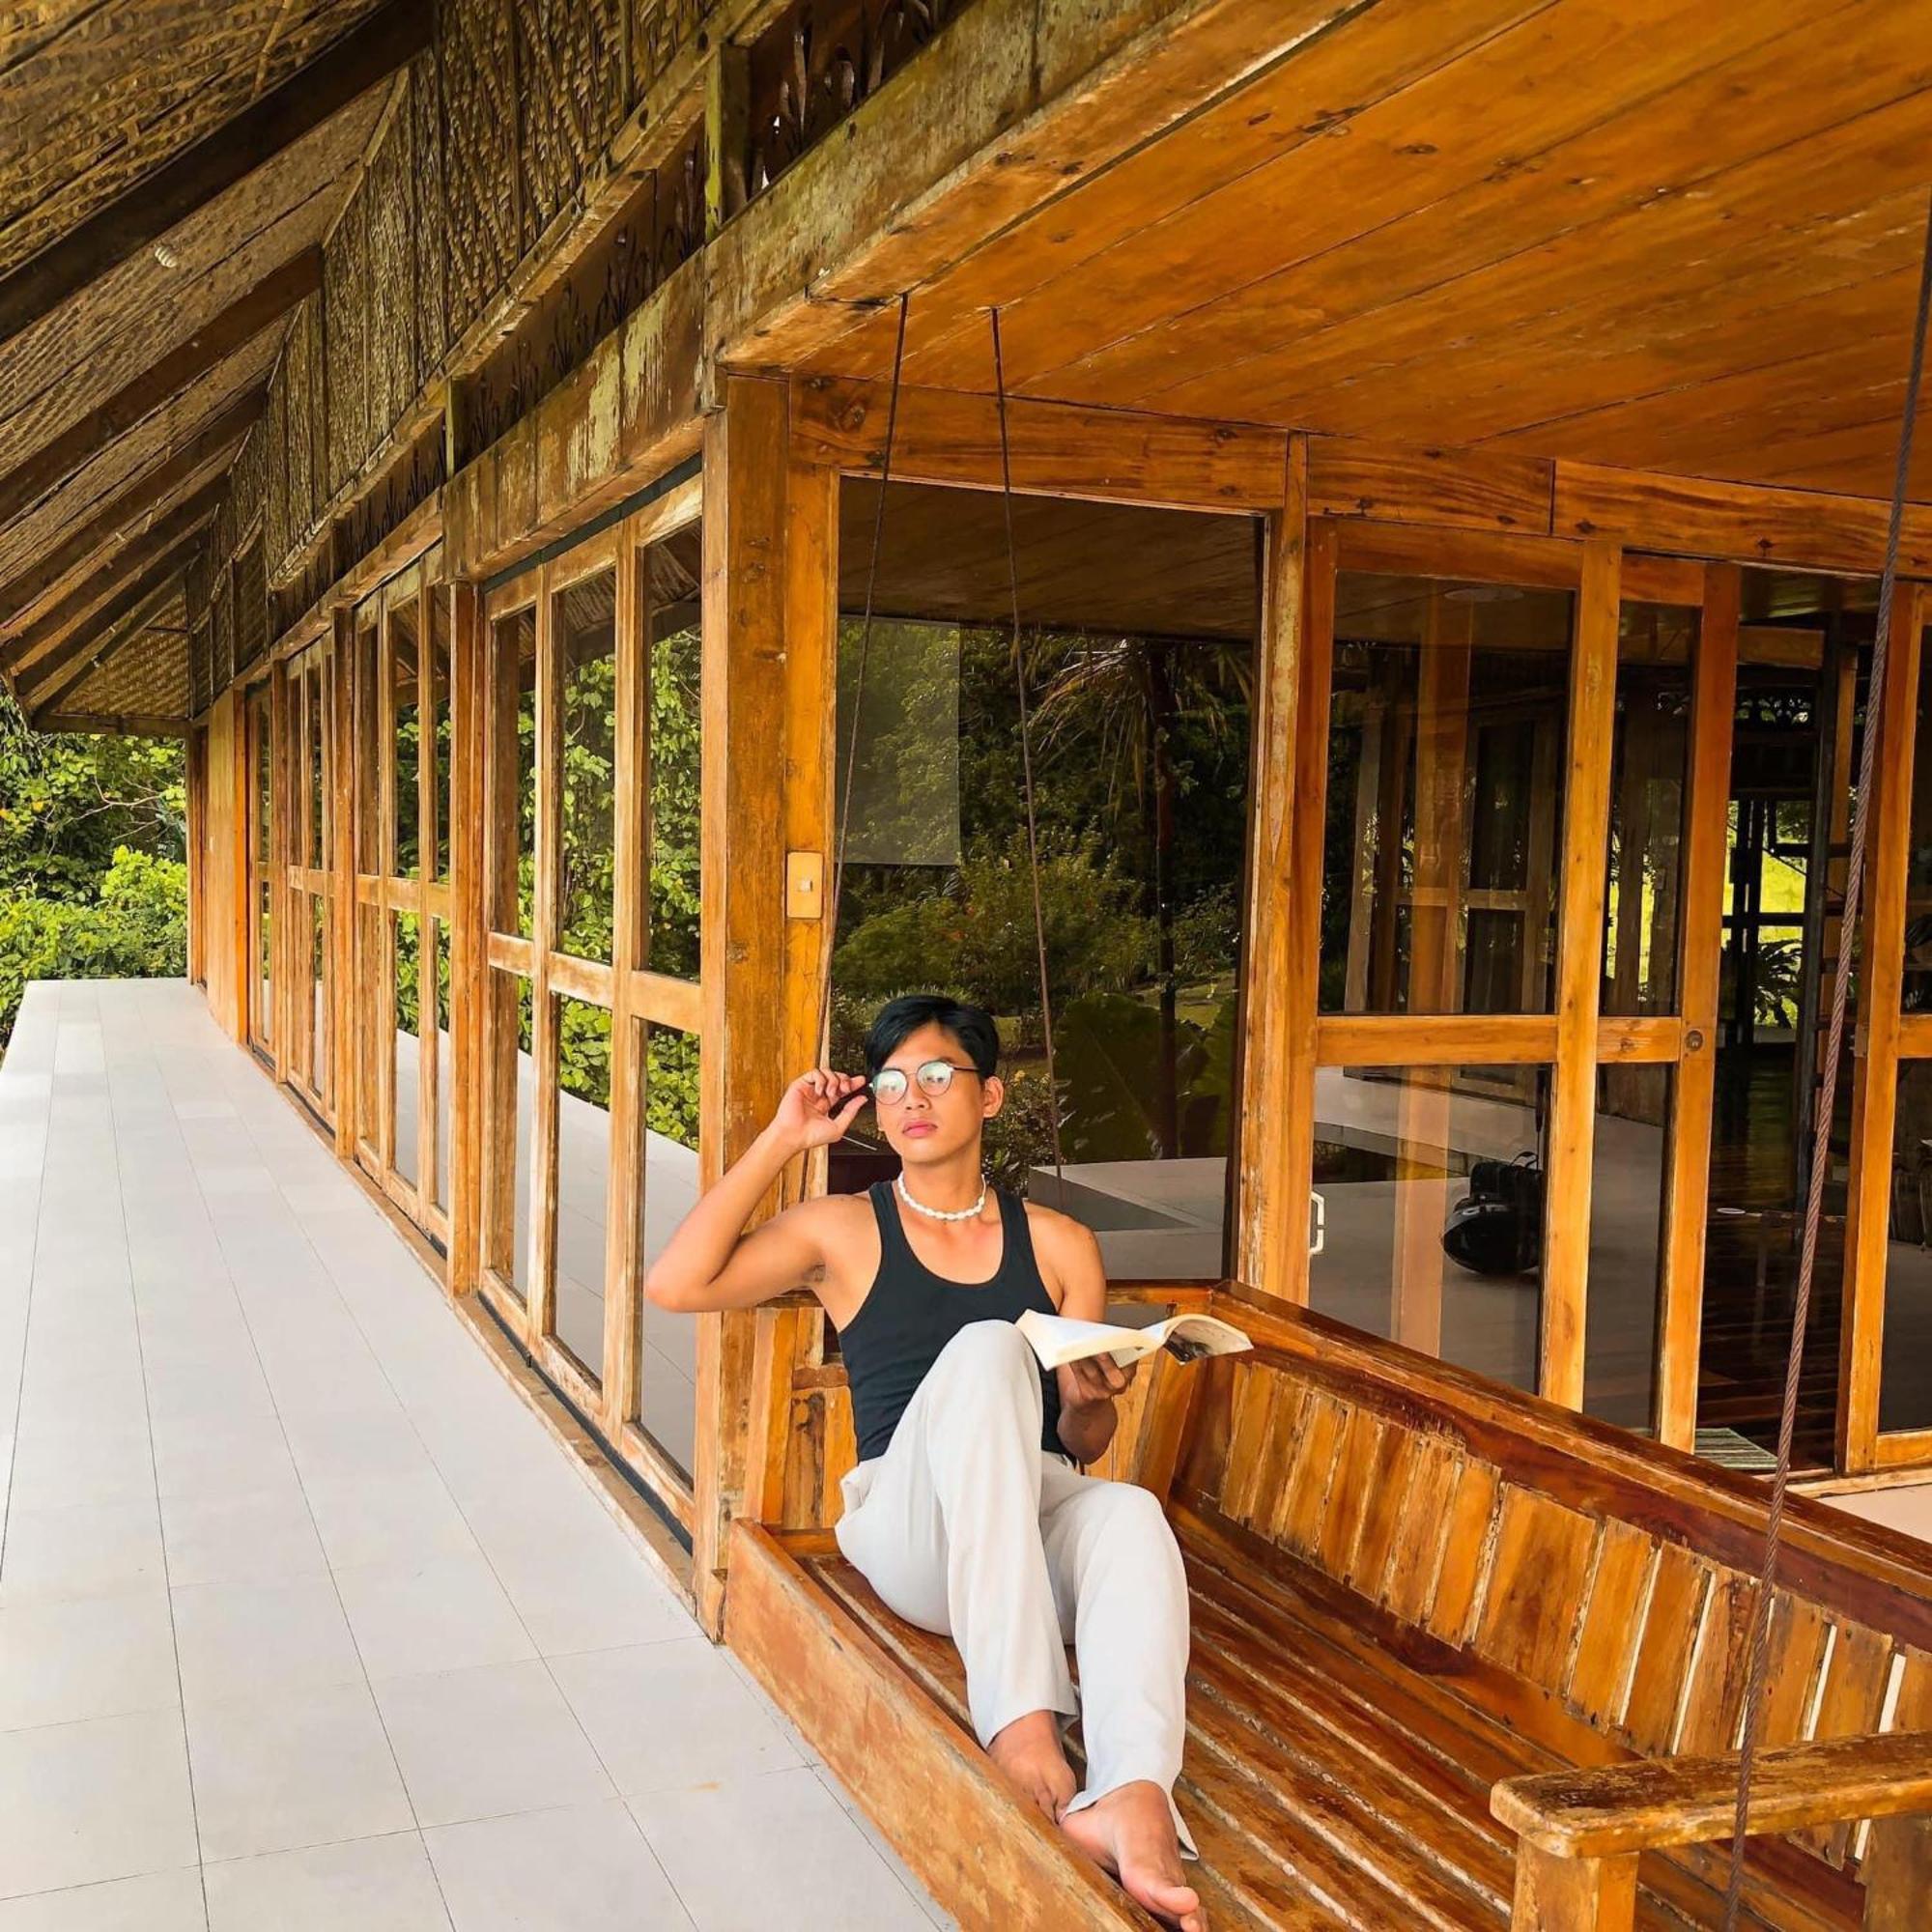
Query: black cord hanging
(1025, 759)
(1820, 1126)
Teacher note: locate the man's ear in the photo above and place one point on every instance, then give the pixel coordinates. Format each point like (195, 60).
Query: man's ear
(993, 1095)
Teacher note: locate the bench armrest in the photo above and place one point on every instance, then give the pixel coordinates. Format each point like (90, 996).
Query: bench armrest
(1690, 1800)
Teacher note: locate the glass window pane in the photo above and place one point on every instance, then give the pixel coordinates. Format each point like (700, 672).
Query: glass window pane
(438, 690)
(1905, 1386)
(367, 725)
(584, 625)
(372, 970)
(1628, 1171)
(672, 572)
(1432, 1179)
(321, 1070)
(445, 1067)
(509, 1125)
(1139, 633)
(582, 1179)
(315, 723)
(1649, 786)
(668, 1342)
(407, 726)
(1444, 804)
(513, 753)
(406, 1047)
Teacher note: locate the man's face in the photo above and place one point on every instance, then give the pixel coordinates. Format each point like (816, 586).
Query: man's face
(929, 1120)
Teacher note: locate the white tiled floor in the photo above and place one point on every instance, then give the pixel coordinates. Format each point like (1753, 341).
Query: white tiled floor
(304, 1622)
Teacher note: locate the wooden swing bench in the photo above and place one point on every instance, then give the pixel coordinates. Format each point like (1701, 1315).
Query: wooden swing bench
(1461, 1659)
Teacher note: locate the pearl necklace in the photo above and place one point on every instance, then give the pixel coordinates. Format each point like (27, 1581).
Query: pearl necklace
(941, 1213)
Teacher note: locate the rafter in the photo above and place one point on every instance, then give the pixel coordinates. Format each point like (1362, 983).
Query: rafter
(33, 685)
(391, 38)
(107, 648)
(45, 634)
(222, 432)
(238, 324)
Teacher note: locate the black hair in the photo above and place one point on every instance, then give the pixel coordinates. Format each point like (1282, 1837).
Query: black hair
(897, 1020)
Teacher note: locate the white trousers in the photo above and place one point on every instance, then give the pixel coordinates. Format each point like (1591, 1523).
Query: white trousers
(967, 1527)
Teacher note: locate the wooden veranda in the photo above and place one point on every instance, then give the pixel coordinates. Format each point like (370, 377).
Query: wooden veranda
(1464, 429)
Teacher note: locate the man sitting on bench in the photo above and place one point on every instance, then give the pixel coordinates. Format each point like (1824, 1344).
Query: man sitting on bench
(966, 1512)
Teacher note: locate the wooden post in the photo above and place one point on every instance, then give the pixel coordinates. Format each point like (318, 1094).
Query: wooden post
(468, 804)
(540, 1304)
(1687, 1196)
(1283, 944)
(747, 476)
(1579, 955)
(1556, 1894)
(280, 856)
(1875, 1084)
(339, 837)
(197, 855)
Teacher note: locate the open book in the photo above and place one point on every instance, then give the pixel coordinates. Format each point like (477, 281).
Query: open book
(1058, 1339)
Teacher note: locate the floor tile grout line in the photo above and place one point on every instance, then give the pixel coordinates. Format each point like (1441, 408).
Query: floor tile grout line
(334, 1584)
(161, 1526)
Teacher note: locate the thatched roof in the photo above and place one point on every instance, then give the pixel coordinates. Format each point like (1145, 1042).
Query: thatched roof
(164, 181)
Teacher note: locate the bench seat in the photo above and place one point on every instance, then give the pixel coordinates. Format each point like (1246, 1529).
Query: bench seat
(1418, 1600)
(1327, 1784)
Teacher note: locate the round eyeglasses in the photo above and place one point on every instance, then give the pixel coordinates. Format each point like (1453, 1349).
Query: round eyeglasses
(935, 1076)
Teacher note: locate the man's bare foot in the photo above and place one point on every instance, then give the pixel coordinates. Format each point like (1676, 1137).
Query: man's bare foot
(1130, 1832)
(1027, 1750)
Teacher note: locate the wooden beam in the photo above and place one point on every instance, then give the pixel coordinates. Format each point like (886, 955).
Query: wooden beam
(131, 724)
(213, 344)
(86, 664)
(1579, 955)
(144, 495)
(944, 436)
(40, 639)
(1687, 1198)
(388, 39)
(43, 676)
(1737, 522)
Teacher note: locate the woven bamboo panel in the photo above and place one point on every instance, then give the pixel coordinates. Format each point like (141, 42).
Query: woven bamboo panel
(659, 29)
(248, 479)
(480, 173)
(275, 491)
(97, 97)
(221, 633)
(56, 370)
(569, 73)
(146, 677)
(200, 669)
(345, 311)
(252, 605)
(430, 228)
(127, 457)
(389, 265)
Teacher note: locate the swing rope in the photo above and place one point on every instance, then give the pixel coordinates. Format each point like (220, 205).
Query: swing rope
(824, 1025)
(823, 1032)
(1821, 1128)
(1026, 756)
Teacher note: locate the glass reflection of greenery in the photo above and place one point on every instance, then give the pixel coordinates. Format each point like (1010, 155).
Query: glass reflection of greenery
(1140, 779)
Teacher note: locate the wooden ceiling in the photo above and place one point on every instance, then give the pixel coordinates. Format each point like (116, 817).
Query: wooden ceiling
(168, 169)
(1096, 567)
(1664, 234)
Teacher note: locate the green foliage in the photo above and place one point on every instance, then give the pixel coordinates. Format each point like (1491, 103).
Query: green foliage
(93, 850)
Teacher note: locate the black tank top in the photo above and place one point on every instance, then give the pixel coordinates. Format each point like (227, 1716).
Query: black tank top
(911, 1314)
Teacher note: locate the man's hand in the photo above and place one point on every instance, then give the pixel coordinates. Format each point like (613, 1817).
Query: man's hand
(1097, 1379)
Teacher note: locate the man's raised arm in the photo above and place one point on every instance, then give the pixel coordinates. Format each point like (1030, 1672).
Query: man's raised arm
(710, 1262)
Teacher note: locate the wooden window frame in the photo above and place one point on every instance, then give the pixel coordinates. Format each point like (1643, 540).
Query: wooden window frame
(633, 996)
